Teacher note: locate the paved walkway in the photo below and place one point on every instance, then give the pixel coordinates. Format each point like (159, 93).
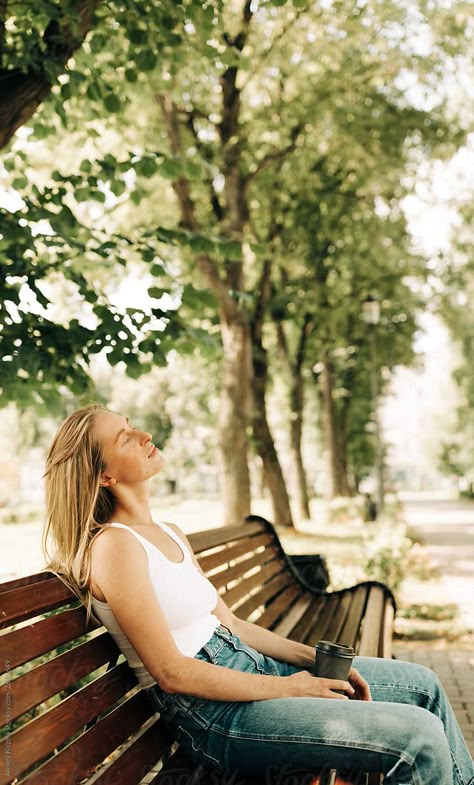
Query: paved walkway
(447, 531)
(455, 668)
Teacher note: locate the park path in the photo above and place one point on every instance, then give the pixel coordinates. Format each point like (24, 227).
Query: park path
(446, 528)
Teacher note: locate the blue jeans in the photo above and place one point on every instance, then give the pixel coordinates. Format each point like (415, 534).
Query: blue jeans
(408, 732)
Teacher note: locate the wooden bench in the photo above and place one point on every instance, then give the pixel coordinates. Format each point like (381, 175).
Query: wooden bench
(70, 708)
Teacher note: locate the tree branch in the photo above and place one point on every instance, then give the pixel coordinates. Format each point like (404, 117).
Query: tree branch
(271, 47)
(264, 292)
(21, 93)
(217, 208)
(208, 269)
(304, 333)
(180, 184)
(276, 155)
(188, 220)
(282, 342)
(237, 210)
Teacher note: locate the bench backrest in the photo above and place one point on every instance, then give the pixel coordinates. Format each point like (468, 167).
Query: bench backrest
(71, 702)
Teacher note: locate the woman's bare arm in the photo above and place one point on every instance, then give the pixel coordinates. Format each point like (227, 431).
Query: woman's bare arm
(270, 643)
(120, 569)
(261, 639)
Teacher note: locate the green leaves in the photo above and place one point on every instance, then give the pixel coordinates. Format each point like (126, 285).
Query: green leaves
(146, 166)
(146, 60)
(306, 200)
(200, 243)
(112, 102)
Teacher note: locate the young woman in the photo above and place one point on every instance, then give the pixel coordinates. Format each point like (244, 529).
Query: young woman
(237, 696)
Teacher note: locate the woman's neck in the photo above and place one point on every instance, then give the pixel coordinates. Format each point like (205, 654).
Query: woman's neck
(132, 510)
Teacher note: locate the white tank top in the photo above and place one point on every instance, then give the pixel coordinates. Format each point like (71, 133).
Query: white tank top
(186, 598)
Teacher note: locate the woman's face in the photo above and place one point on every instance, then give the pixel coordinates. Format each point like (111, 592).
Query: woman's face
(130, 456)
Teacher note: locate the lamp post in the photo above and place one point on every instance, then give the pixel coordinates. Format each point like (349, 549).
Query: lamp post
(371, 315)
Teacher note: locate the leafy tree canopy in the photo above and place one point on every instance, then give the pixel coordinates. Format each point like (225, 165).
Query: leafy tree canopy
(166, 121)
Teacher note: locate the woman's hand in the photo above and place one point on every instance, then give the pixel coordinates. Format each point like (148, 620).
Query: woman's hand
(362, 689)
(305, 685)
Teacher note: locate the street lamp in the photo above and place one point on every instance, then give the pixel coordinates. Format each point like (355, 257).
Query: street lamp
(371, 316)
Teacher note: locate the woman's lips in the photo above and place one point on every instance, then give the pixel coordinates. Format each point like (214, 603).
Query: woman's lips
(153, 452)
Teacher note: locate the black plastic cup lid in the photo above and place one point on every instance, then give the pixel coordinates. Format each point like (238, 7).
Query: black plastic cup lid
(340, 649)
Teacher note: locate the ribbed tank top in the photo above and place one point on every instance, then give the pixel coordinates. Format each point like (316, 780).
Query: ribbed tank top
(186, 598)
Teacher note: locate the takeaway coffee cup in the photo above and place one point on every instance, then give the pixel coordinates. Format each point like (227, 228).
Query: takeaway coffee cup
(333, 661)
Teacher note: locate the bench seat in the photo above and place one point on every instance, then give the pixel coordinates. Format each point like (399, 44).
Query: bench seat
(71, 709)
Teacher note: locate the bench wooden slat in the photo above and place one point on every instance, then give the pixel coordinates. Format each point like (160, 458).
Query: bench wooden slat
(386, 637)
(261, 597)
(44, 733)
(317, 630)
(278, 606)
(350, 629)
(26, 580)
(369, 639)
(39, 684)
(26, 643)
(236, 593)
(140, 758)
(237, 571)
(77, 760)
(27, 601)
(301, 631)
(219, 558)
(204, 541)
(335, 624)
(285, 626)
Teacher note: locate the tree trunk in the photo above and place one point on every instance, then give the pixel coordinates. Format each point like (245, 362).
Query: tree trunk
(264, 443)
(233, 418)
(343, 419)
(21, 92)
(296, 403)
(236, 343)
(296, 430)
(337, 471)
(231, 216)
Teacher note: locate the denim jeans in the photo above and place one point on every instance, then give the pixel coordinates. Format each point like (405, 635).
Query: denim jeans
(408, 731)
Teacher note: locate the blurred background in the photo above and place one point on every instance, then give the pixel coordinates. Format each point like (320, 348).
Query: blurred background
(248, 227)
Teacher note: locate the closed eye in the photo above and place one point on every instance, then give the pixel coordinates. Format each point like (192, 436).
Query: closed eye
(127, 435)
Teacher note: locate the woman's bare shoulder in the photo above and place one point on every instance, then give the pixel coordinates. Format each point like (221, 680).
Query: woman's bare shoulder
(111, 548)
(177, 530)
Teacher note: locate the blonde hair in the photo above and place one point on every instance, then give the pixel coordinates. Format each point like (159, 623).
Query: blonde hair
(76, 505)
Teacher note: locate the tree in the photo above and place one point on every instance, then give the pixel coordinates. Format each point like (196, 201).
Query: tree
(220, 95)
(34, 55)
(455, 307)
(342, 242)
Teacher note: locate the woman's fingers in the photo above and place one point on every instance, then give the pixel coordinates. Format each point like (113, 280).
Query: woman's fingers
(344, 686)
(362, 689)
(304, 684)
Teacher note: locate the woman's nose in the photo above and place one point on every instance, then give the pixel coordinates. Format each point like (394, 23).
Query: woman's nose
(145, 437)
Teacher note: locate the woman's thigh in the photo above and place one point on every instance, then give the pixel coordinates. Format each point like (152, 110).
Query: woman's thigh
(309, 732)
(400, 682)
(317, 733)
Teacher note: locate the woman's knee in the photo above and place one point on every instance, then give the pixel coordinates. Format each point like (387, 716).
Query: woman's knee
(431, 748)
(418, 748)
(400, 681)
(426, 682)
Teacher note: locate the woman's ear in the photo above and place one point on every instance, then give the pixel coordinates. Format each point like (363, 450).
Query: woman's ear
(106, 481)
